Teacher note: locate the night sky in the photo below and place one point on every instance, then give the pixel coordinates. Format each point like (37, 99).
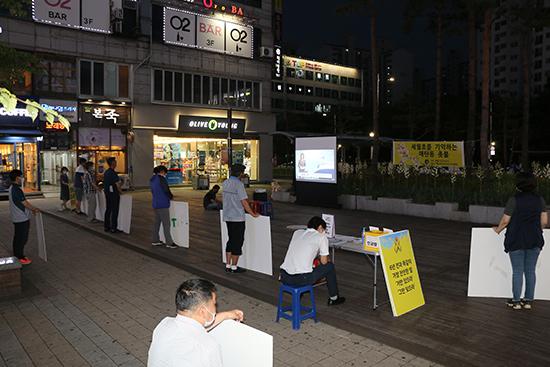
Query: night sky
(309, 24)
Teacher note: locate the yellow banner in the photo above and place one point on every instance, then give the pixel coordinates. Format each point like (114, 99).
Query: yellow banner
(402, 279)
(429, 153)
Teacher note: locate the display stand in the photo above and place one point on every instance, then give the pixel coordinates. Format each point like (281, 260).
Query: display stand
(124, 212)
(179, 224)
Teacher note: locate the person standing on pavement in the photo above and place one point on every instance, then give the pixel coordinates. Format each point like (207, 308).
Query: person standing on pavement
(111, 188)
(524, 218)
(235, 204)
(90, 190)
(78, 184)
(64, 194)
(183, 341)
(161, 205)
(306, 245)
(20, 210)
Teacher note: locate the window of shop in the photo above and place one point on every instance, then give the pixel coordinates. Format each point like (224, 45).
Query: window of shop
(104, 79)
(57, 77)
(188, 157)
(177, 87)
(22, 156)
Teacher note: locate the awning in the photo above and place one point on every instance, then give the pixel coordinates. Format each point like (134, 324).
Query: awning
(20, 132)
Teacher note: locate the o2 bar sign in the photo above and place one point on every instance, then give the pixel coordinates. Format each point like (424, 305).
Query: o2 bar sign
(90, 15)
(187, 29)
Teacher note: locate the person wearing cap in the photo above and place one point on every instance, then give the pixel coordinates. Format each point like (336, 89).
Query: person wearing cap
(235, 204)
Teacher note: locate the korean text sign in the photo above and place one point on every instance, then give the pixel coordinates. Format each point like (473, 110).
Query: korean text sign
(401, 273)
(429, 153)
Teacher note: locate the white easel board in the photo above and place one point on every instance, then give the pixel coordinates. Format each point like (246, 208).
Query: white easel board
(179, 224)
(41, 239)
(232, 336)
(124, 211)
(491, 271)
(257, 254)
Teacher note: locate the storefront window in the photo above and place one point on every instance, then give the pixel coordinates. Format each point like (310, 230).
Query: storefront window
(52, 162)
(188, 157)
(22, 156)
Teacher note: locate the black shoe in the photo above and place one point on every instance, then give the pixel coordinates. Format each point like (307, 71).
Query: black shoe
(172, 246)
(516, 305)
(227, 270)
(337, 301)
(116, 231)
(238, 270)
(107, 229)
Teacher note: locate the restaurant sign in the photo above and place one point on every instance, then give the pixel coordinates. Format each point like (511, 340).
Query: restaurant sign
(210, 125)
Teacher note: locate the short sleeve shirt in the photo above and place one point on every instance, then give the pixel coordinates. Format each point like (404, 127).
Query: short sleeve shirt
(18, 212)
(233, 193)
(511, 205)
(110, 178)
(304, 247)
(210, 195)
(181, 341)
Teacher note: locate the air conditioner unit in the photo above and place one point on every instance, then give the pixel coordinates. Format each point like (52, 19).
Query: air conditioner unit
(266, 52)
(118, 26)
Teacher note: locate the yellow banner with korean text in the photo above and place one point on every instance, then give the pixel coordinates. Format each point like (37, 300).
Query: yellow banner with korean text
(400, 272)
(429, 153)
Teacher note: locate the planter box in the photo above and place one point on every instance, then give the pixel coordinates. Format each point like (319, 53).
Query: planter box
(494, 214)
(281, 196)
(393, 206)
(366, 203)
(347, 201)
(460, 216)
(421, 210)
(478, 214)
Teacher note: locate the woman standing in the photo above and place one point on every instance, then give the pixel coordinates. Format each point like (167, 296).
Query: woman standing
(64, 195)
(525, 217)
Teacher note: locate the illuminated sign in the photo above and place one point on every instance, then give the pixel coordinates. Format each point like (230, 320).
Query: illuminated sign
(277, 63)
(104, 116)
(210, 124)
(18, 117)
(187, 29)
(303, 64)
(18, 112)
(89, 15)
(67, 109)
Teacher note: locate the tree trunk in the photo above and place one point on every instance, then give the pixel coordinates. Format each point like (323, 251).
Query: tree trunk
(438, 74)
(472, 66)
(526, 66)
(375, 91)
(484, 134)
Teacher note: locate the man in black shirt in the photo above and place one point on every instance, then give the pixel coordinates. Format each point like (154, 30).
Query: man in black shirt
(209, 201)
(111, 187)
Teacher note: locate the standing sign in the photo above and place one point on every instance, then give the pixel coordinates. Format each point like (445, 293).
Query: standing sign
(187, 29)
(400, 272)
(429, 153)
(179, 224)
(329, 220)
(42, 253)
(90, 15)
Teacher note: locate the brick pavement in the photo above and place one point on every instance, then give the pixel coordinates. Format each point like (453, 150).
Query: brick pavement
(96, 304)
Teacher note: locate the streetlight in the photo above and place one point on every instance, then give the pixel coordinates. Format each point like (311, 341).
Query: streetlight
(230, 101)
(371, 134)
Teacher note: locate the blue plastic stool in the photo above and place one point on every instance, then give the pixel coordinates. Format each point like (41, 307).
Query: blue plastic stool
(266, 208)
(296, 308)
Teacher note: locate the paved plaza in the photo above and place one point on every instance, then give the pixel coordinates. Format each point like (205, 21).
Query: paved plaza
(95, 303)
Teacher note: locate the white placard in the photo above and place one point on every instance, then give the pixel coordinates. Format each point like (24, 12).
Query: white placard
(64, 13)
(179, 224)
(239, 39)
(210, 34)
(41, 239)
(331, 229)
(257, 253)
(179, 27)
(232, 336)
(491, 271)
(96, 16)
(124, 211)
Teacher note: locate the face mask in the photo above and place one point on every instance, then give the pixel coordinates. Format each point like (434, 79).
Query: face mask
(207, 324)
(22, 181)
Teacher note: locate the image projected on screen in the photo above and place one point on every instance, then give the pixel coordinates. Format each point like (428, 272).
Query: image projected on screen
(315, 166)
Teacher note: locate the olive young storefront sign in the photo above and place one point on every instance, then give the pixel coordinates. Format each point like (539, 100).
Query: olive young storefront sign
(187, 29)
(89, 15)
(210, 124)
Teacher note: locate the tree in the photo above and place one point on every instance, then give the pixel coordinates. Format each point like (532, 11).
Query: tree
(369, 7)
(438, 11)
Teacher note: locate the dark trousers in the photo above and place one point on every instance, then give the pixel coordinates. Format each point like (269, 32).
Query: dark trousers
(235, 233)
(20, 237)
(111, 212)
(322, 271)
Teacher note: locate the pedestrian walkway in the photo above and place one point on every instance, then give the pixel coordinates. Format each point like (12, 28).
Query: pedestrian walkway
(96, 304)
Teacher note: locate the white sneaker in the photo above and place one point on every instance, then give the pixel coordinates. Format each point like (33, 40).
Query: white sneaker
(157, 243)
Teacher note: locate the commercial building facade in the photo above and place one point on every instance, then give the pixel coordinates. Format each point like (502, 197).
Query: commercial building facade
(138, 71)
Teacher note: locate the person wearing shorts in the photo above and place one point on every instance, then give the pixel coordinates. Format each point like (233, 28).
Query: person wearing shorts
(235, 204)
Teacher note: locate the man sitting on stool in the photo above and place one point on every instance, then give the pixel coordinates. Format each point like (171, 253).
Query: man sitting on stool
(305, 246)
(210, 202)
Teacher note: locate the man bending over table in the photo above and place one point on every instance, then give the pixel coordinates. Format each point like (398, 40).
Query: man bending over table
(305, 246)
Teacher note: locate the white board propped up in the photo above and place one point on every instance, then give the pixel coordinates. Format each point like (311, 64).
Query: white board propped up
(490, 269)
(257, 244)
(179, 224)
(243, 346)
(42, 252)
(124, 212)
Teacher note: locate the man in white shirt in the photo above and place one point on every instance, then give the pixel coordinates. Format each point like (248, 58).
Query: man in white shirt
(184, 340)
(305, 246)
